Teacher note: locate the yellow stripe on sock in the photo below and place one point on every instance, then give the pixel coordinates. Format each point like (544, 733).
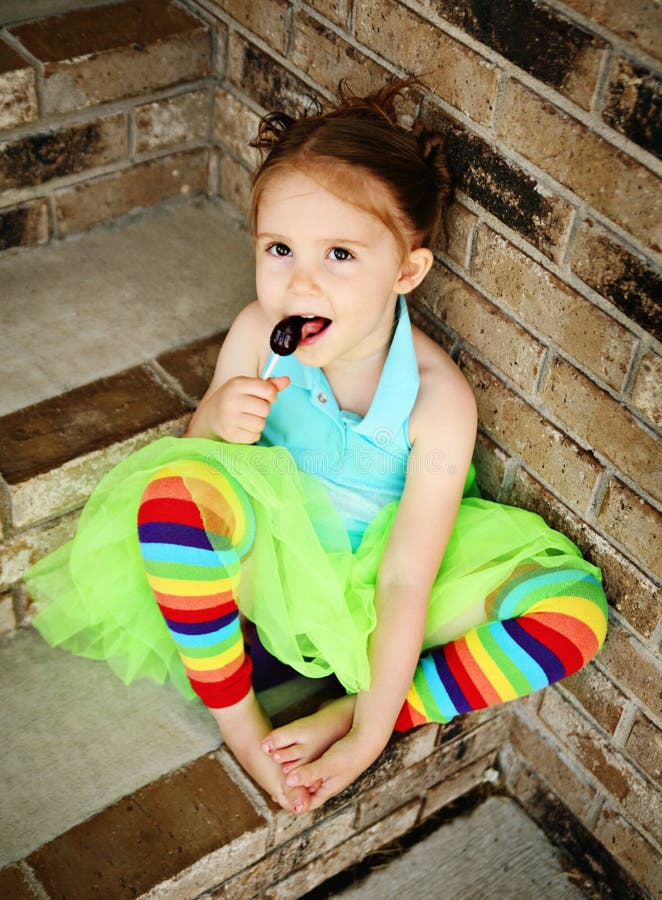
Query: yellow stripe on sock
(578, 608)
(184, 587)
(213, 662)
(490, 669)
(414, 700)
(214, 477)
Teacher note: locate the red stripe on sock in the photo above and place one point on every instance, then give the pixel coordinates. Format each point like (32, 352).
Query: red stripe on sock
(565, 650)
(188, 616)
(462, 676)
(167, 509)
(220, 694)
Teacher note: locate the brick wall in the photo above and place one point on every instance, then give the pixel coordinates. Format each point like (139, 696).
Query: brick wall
(546, 292)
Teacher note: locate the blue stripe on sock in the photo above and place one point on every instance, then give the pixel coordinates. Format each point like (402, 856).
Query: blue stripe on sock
(192, 556)
(436, 687)
(207, 640)
(533, 673)
(507, 605)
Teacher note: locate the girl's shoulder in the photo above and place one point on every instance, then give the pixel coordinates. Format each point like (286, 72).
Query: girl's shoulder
(444, 395)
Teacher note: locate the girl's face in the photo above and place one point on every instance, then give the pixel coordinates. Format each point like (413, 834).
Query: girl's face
(317, 255)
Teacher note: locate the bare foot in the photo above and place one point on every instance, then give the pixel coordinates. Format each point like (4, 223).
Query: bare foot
(305, 740)
(244, 727)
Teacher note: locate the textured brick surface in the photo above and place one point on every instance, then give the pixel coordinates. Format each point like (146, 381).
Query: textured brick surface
(646, 394)
(481, 324)
(609, 180)
(346, 854)
(581, 405)
(645, 746)
(543, 754)
(18, 97)
(235, 125)
(598, 695)
(38, 158)
(264, 79)
(175, 120)
(540, 299)
(464, 79)
(633, 522)
(7, 617)
(235, 183)
(456, 233)
(512, 422)
(24, 225)
(634, 105)
(122, 50)
(41, 437)
(335, 10)
(193, 366)
(20, 551)
(631, 283)
(13, 885)
(180, 175)
(320, 53)
(142, 840)
(535, 38)
(638, 21)
(635, 793)
(267, 18)
(635, 852)
(505, 190)
(490, 462)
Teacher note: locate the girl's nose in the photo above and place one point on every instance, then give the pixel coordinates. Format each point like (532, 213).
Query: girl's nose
(303, 282)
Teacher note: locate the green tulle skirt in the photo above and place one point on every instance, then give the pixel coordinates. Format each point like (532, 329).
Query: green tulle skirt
(310, 596)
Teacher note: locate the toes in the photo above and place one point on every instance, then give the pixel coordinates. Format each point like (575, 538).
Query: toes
(278, 739)
(288, 754)
(299, 799)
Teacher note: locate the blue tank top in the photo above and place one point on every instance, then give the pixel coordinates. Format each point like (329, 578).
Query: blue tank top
(362, 462)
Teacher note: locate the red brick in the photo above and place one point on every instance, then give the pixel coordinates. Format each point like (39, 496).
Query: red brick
(151, 836)
(512, 422)
(632, 106)
(634, 523)
(461, 77)
(144, 185)
(542, 301)
(117, 51)
(18, 96)
(603, 423)
(14, 886)
(613, 183)
(42, 437)
(481, 324)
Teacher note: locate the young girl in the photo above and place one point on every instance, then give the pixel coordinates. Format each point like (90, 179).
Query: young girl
(341, 489)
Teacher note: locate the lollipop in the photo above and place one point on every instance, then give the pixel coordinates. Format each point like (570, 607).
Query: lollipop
(284, 340)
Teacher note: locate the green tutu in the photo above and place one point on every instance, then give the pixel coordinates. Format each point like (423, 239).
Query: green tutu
(310, 597)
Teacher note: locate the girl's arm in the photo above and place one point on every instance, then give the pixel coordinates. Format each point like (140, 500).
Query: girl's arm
(237, 401)
(443, 431)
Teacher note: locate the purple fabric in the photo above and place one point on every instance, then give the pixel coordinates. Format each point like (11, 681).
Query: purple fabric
(267, 670)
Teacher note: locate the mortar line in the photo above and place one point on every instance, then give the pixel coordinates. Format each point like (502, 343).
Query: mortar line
(602, 81)
(625, 723)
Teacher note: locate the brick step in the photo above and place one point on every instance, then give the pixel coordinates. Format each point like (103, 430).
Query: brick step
(145, 306)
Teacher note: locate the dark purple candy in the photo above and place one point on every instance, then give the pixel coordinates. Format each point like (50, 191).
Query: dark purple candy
(286, 335)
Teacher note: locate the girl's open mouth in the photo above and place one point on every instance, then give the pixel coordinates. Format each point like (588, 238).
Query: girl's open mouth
(313, 328)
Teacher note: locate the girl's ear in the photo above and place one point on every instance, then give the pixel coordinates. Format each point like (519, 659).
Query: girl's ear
(414, 269)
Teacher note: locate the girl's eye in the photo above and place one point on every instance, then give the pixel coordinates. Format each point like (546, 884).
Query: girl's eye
(339, 254)
(278, 250)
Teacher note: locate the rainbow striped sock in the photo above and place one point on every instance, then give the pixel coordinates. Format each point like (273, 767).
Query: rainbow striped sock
(195, 523)
(544, 625)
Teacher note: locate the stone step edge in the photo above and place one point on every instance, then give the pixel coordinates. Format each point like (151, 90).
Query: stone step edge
(40, 506)
(260, 846)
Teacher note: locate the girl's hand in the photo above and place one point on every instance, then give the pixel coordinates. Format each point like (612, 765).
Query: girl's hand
(236, 411)
(336, 769)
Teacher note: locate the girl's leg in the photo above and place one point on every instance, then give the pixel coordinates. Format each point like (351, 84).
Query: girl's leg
(544, 625)
(195, 523)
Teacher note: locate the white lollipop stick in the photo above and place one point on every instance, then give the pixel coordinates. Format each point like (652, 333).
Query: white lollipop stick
(270, 365)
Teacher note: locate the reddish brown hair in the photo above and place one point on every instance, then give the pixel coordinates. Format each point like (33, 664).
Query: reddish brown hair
(355, 137)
